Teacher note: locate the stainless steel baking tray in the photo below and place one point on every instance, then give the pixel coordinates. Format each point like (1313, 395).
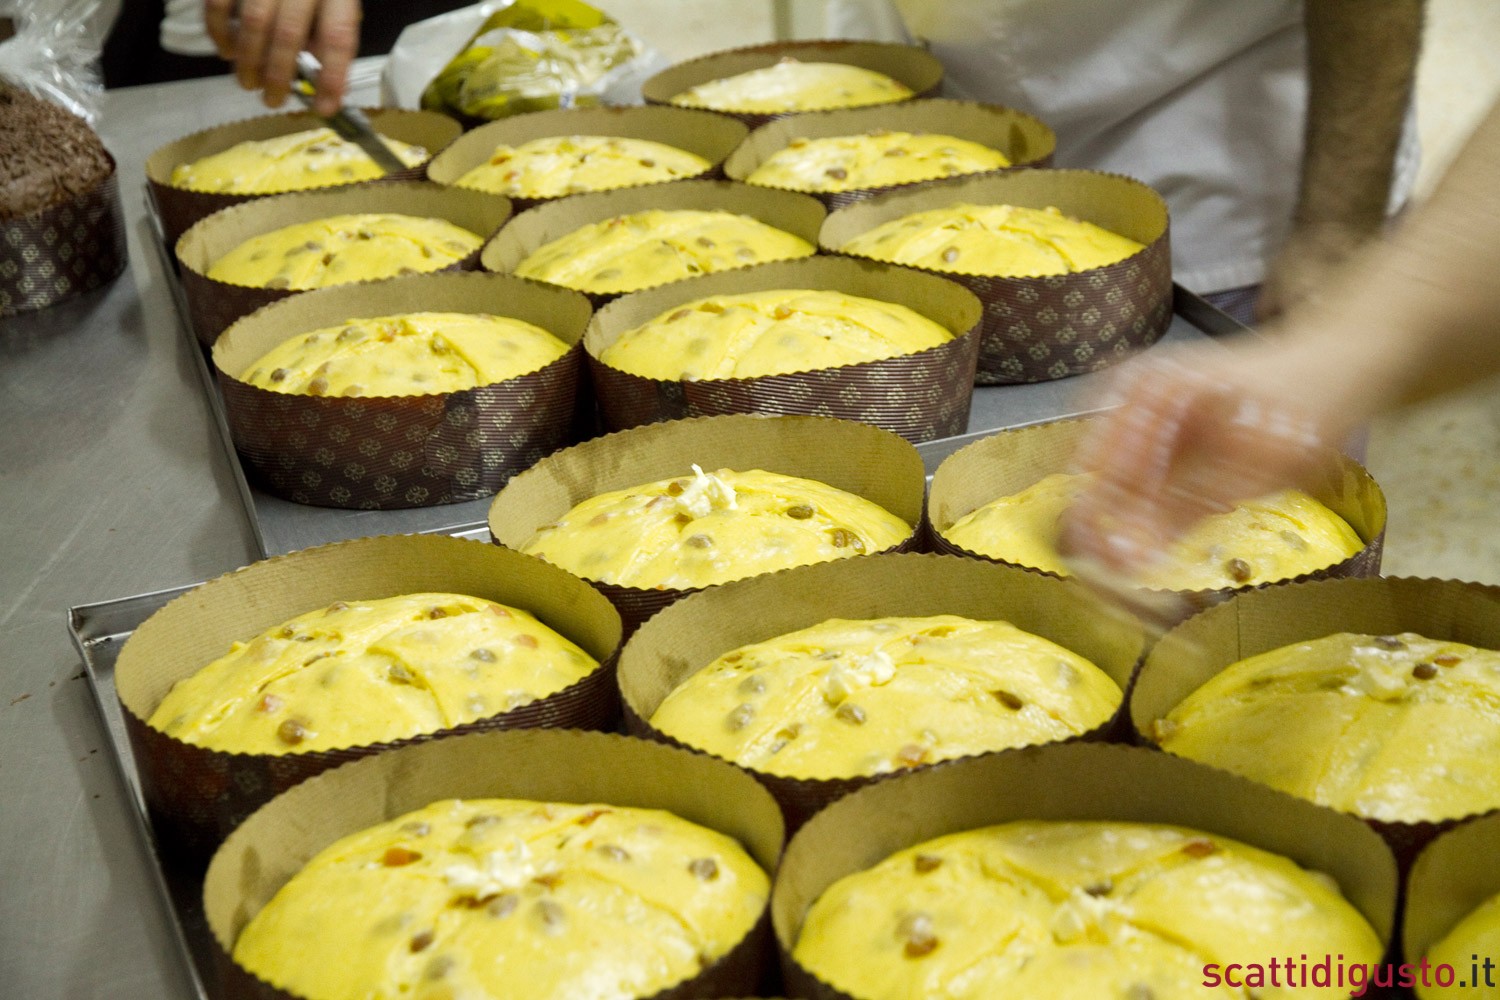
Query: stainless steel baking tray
(99, 630)
(281, 526)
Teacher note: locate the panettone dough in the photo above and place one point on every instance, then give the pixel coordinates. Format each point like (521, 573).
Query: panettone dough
(342, 249)
(1276, 537)
(1075, 911)
(998, 240)
(631, 252)
(873, 160)
(1397, 728)
(770, 333)
(1476, 935)
(706, 529)
(408, 355)
(359, 672)
(569, 164)
(849, 698)
(311, 159)
(792, 85)
(508, 898)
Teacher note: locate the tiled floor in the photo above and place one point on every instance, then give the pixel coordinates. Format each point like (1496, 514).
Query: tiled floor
(1440, 468)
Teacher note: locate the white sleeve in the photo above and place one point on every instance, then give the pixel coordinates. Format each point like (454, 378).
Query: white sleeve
(183, 30)
(867, 20)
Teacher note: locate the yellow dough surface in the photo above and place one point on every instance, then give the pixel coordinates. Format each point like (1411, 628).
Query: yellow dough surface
(490, 898)
(875, 159)
(1476, 934)
(792, 85)
(1276, 537)
(849, 698)
(1398, 728)
(312, 159)
(999, 240)
(408, 355)
(630, 252)
(770, 333)
(359, 672)
(342, 249)
(559, 165)
(710, 528)
(1075, 911)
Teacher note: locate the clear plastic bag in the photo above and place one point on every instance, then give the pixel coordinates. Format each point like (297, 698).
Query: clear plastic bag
(517, 57)
(55, 51)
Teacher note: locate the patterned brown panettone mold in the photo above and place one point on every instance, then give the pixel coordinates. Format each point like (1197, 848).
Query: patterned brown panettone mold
(920, 396)
(871, 463)
(1451, 878)
(917, 68)
(1025, 140)
(798, 214)
(1068, 782)
(62, 232)
(1261, 620)
(682, 639)
(387, 452)
(196, 795)
(1039, 329)
(180, 207)
(710, 136)
(55, 253)
(551, 766)
(214, 304)
(1010, 461)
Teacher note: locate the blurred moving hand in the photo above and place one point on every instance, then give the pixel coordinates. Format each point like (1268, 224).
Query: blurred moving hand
(262, 39)
(1197, 431)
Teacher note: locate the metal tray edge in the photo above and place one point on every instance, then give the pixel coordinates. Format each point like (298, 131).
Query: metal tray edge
(98, 667)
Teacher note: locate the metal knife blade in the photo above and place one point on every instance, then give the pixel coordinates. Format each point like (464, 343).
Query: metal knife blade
(348, 123)
(1157, 611)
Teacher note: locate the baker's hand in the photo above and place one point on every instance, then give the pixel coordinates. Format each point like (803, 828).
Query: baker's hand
(1195, 433)
(262, 39)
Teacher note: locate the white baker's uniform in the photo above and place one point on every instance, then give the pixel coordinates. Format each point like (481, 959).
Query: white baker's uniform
(1204, 100)
(183, 30)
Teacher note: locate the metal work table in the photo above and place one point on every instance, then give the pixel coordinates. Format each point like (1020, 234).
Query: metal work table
(114, 481)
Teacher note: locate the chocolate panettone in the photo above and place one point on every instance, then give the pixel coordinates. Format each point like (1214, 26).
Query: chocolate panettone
(47, 155)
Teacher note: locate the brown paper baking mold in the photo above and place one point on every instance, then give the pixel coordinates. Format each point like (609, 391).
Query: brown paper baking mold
(866, 461)
(711, 136)
(1010, 461)
(1077, 781)
(1452, 877)
(798, 214)
(919, 396)
(196, 796)
(1039, 329)
(917, 68)
(64, 250)
(1026, 141)
(1269, 618)
(386, 452)
(689, 635)
(552, 766)
(214, 304)
(179, 207)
